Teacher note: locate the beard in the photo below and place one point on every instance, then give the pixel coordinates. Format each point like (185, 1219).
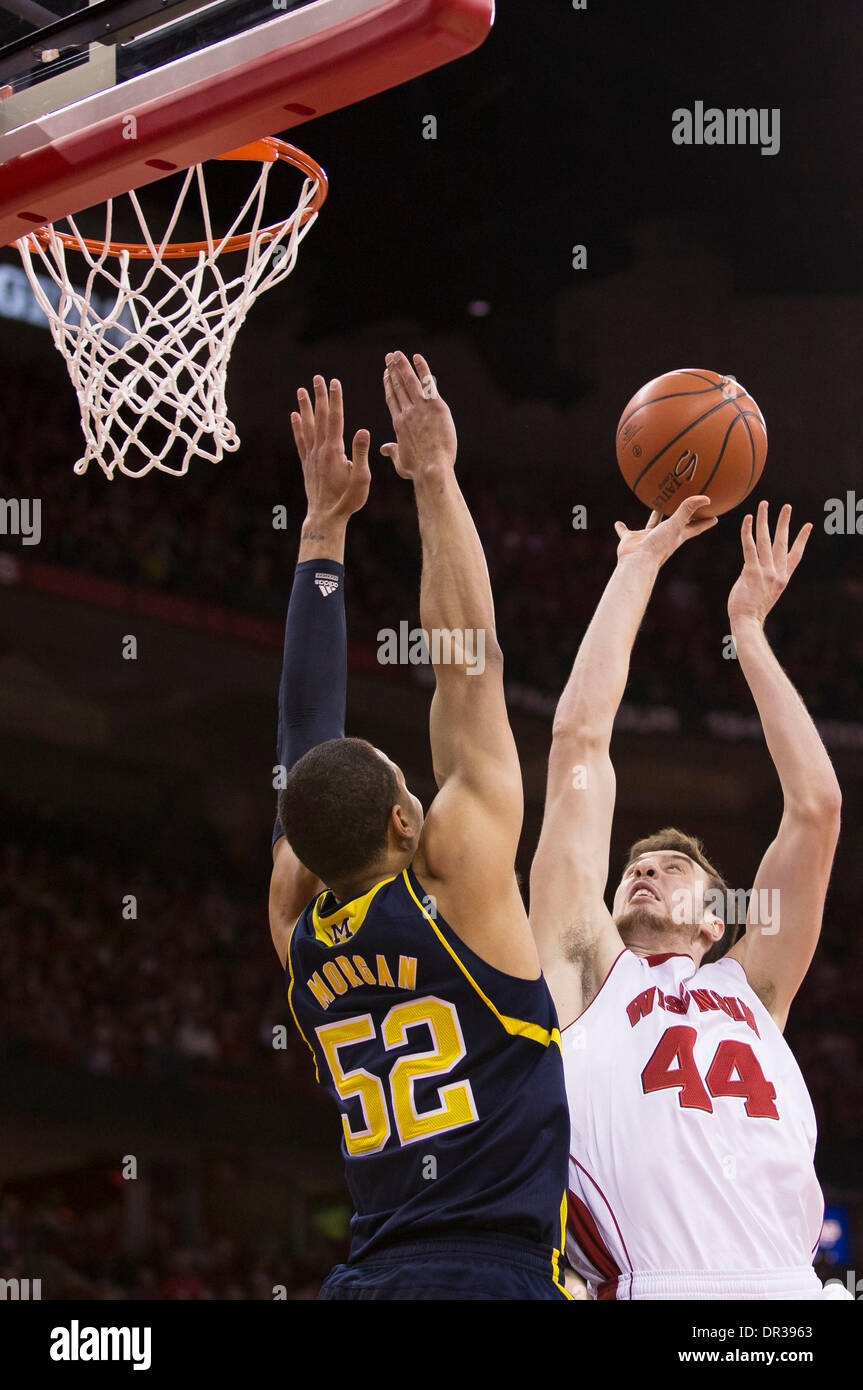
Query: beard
(642, 924)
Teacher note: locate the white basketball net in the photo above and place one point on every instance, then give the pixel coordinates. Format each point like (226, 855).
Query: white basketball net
(157, 350)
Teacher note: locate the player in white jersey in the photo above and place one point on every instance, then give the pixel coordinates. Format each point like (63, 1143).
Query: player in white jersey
(693, 1135)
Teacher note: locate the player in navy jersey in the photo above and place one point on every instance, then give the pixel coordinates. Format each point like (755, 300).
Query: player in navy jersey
(410, 966)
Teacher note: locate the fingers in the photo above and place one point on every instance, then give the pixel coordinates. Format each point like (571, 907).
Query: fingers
(391, 393)
(702, 523)
(360, 450)
(426, 379)
(750, 553)
(776, 554)
(795, 555)
(391, 451)
(762, 536)
(307, 418)
(653, 520)
(407, 381)
(297, 427)
(398, 383)
(780, 543)
(405, 385)
(758, 549)
(336, 412)
(321, 423)
(322, 410)
(690, 506)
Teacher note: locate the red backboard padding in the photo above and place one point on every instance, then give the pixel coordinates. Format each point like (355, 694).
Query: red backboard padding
(271, 94)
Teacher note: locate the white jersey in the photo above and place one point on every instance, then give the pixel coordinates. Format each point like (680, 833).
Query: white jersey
(691, 1161)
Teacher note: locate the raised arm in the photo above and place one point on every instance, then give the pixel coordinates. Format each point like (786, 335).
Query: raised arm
(577, 939)
(313, 687)
(791, 883)
(467, 851)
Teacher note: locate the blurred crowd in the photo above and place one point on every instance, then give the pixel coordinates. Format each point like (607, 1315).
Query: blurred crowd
(78, 1249)
(187, 991)
(210, 536)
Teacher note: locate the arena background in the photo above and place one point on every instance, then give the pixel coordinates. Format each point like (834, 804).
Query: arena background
(146, 1030)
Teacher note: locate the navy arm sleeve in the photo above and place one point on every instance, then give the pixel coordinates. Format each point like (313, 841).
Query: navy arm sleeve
(313, 688)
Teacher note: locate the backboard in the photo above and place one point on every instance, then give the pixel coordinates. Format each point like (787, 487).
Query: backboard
(98, 99)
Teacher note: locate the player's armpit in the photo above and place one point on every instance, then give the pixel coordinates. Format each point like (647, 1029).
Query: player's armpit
(577, 940)
(292, 887)
(466, 863)
(786, 906)
(574, 931)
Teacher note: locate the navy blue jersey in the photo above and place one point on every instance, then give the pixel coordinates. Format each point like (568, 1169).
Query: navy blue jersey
(447, 1072)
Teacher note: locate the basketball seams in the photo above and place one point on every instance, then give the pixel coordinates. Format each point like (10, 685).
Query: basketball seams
(709, 479)
(654, 400)
(690, 426)
(699, 376)
(741, 415)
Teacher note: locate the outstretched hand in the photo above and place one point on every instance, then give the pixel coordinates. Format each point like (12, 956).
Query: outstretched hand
(336, 486)
(660, 538)
(767, 567)
(425, 432)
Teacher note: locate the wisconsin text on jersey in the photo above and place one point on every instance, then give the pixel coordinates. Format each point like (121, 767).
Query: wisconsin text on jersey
(706, 999)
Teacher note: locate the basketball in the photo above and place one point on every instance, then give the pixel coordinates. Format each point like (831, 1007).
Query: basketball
(691, 431)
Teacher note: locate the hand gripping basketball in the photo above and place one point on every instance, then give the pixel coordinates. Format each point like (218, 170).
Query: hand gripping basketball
(660, 538)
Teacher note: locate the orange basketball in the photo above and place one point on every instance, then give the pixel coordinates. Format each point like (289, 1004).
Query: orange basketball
(691, 431)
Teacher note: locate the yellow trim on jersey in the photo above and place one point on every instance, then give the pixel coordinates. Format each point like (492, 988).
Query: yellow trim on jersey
(555, 1258)
(556, 1279)
(517, 1027)
(291, 1003)
(343, 924)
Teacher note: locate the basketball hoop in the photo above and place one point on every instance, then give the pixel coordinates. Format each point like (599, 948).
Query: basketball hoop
(149, 355)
